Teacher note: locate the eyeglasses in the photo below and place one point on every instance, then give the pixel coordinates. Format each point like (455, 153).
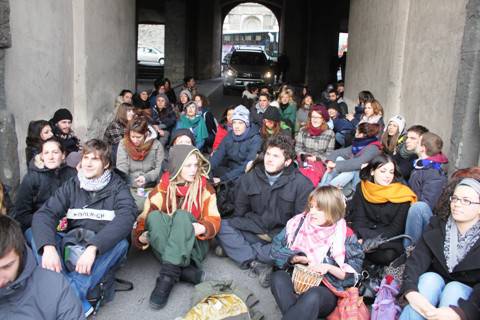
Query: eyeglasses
(463, 201)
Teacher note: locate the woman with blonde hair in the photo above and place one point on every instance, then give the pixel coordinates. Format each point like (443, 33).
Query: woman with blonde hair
(179, 217)
(320, 239)
(288, 108)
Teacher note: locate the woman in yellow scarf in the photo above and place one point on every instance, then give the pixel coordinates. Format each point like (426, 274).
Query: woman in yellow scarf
(380, 206)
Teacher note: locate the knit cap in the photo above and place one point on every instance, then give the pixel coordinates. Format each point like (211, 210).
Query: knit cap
(399, 121)
(177, 156)
(272, 114)
(241, 113)
(182, 132)
(62, 114)
(164, 97)
(187, 93)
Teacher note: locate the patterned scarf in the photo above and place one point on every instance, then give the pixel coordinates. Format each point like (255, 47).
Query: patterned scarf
(95, 184)
(137, 153)
(316, 241)
(456, 245)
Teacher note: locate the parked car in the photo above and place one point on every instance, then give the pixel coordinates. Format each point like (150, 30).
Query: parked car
(150, 56)
(246, 66)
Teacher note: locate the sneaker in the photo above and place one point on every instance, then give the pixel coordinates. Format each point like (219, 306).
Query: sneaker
(264, 272)
(163, 287)
(219, 252)
(87, 308)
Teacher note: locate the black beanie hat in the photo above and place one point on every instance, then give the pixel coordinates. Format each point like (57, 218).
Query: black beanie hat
(273, 114)
(62, 114)
(182, 132)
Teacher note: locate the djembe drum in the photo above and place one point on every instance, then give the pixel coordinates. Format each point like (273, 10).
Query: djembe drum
(304, 278)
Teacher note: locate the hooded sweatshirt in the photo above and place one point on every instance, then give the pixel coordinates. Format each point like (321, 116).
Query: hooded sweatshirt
(39, 293)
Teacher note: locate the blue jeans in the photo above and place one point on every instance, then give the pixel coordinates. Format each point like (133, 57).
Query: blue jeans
(334, 178)
(418, 217)
(432, 286)
(81, 283)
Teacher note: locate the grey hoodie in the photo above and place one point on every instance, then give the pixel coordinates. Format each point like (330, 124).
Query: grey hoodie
(39, 294)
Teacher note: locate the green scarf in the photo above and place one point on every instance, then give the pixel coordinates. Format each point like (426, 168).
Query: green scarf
(197, 125)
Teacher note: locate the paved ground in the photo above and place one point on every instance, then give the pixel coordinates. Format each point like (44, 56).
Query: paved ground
(142, 267)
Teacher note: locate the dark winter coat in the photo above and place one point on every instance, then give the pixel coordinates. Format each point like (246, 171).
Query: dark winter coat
(114, 197)
(165, 118)
(264, 209)
(236, 154)
(428, 182)
(39, 293)
(211, 124)
(71, 143)
(428, 256)
(370, 220)
(36, 188)
(256, 115)
(405, 164)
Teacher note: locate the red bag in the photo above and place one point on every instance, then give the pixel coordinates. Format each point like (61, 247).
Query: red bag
(312, 170)
(350, 305)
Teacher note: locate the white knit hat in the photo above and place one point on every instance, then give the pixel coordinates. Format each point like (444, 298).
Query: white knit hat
(399, 121)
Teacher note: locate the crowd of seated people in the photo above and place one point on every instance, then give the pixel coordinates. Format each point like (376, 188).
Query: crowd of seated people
(311, 184)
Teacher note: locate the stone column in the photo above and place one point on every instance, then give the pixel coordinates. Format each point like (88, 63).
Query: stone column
(408, 54)
(465, 141)
(10, 170)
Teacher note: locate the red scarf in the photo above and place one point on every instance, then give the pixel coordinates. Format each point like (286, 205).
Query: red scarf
(137, 153)
(315, 132)
(181, 192)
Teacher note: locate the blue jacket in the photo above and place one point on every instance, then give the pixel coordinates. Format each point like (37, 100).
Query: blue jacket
(236, 154)
(428, 179)
(341, 125)
(281, 255)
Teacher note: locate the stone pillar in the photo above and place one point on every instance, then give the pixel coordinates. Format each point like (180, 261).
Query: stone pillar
(76, 54)
(9, 163)
(407, 53)
(465, 141)
(175, 39)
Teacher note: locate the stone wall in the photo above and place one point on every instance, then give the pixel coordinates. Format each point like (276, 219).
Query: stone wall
(408, 54)
(75, 54)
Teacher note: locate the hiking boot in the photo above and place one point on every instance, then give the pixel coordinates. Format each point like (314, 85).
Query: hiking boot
(264, 272)
(159, 296)
(192, 275)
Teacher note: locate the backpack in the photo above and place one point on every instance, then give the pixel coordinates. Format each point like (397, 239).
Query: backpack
(385, 306)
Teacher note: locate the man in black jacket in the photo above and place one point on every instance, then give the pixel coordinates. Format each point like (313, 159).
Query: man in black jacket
(100, 212)
(26, 290)
(267, 197)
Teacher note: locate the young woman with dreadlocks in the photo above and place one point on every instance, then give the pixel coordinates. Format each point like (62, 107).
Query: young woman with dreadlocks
(179, 217)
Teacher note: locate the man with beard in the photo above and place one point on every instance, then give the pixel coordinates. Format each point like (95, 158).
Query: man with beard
(271, 193)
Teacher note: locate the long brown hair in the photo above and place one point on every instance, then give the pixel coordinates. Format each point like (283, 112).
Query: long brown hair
(121, 115)
(390, 142)
(264, 130)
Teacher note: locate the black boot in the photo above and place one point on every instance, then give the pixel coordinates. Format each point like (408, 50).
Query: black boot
(192, 275)
(169, 275)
